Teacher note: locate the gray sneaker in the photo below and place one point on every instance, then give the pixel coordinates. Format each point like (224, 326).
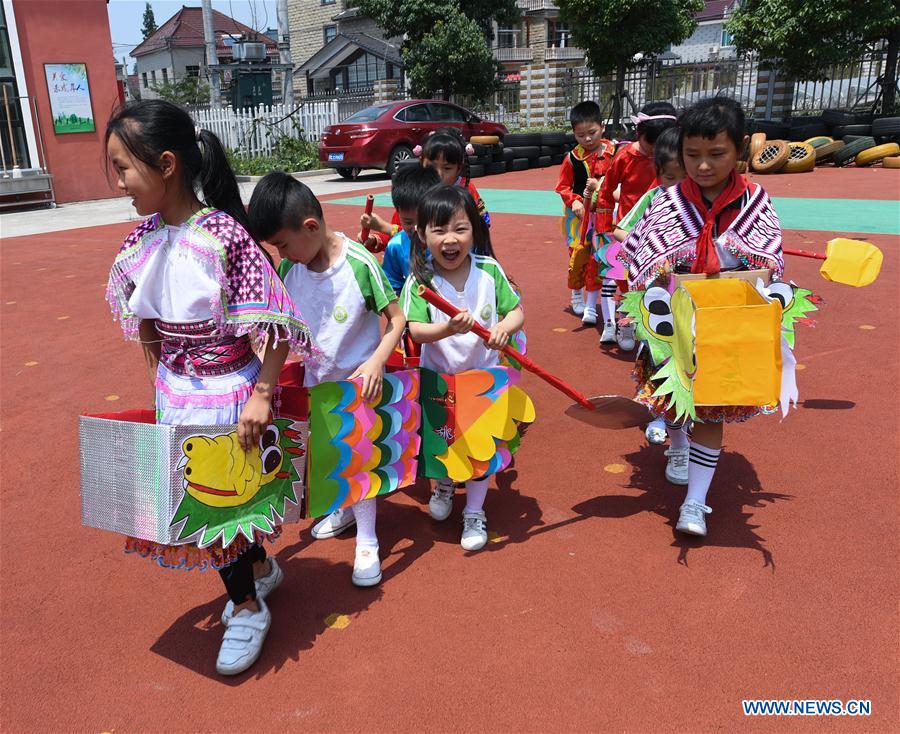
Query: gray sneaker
(677, 467)
(474, 534)
(335, 524)
(625, 337)
(692, 518)
(441, 502)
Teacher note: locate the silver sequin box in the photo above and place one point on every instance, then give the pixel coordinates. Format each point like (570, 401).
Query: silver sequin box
(131, 482)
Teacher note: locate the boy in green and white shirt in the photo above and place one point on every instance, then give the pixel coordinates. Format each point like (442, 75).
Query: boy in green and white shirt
(342, 292)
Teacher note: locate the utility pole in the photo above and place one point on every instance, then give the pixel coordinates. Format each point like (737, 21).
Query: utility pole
(284, 49)
(209, 38)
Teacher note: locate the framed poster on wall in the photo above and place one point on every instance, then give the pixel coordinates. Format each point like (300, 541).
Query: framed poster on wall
(70, 98)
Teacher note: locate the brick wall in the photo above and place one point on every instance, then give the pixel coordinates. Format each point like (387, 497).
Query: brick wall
(306, 19)
(696, 48)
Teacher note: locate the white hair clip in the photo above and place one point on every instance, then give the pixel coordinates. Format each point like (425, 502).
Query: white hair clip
(642, 117)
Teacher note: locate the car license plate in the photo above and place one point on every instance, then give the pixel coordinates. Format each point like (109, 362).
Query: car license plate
(335, 156)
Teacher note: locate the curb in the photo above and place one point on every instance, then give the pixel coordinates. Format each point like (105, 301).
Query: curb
(296, 174)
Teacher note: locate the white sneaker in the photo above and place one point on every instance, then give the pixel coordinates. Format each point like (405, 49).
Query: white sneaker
(366, 566)
(625, 337)
(656, 432)
(335, 524)
(441, 503)
(577, 303)
(691, 520)
(474, 534)
(243, 640)
(677, 466)
(265, 585)
(590, 315)
(609, 333)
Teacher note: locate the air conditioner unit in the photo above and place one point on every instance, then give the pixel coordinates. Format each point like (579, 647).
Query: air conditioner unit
(247, 51)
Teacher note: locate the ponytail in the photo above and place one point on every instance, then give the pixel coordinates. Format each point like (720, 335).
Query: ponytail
(217, 180)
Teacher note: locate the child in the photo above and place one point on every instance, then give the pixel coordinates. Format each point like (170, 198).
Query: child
(713, 220)
(632, 170)
(409, 186)
(343, 292)
(668, 173)
(199, 293)
(462, 269)
(587, 162)
(446, 151)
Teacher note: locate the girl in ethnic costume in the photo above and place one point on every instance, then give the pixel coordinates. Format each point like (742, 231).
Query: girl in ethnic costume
(199, 294)
(713, 220)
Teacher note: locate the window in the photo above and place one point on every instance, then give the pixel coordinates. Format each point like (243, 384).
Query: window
(192, 71)
(727, 38)
(369, 114)
(11, 113)
(328, 33)
(416, 113)
(364, 70)
(144, 79)
(447, 113)
(328, 2)
(153, 76)
(165, 74)
(509, 36)
(558, 34)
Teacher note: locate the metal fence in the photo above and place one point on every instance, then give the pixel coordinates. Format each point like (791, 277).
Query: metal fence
(502, 107)
(681, 84)
(855, 85)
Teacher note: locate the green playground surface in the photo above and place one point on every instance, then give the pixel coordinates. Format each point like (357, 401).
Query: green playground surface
(821, 215)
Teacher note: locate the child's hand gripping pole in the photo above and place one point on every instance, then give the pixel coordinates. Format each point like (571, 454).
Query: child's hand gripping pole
(370, 202)
(448, 308)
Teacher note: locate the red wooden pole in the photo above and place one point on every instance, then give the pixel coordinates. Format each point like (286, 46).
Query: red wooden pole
(370, 202)
(805, 253)
(448, 308)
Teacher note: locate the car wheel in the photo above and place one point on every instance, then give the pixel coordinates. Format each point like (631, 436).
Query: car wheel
(348, 173)
(398, 154)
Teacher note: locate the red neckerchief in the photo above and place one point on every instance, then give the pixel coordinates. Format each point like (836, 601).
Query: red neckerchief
(707, 258)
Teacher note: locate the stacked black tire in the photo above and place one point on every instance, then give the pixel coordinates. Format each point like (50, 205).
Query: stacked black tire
(519, 152)
(858, 131)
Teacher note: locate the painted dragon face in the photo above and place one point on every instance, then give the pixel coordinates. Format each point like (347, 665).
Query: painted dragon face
(219, 473)
(796, 302)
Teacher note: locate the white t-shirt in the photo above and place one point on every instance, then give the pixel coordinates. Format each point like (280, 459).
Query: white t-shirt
(487, 294)
(175, 283)
(342, 306)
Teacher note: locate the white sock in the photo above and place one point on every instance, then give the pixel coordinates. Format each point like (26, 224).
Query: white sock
(590, 299)
(576, 295)
(476, 491)
(701, 467)
(365, 522)
(608, 302)
(678, 438)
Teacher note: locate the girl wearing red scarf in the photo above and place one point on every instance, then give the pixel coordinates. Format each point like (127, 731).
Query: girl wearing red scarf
(711, 221)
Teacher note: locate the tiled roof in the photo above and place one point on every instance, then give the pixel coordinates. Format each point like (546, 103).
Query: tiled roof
(185, 29)
(714, 9)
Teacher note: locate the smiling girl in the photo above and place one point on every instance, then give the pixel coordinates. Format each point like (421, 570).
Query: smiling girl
(462, 269)
(713, 220)
(199, 294)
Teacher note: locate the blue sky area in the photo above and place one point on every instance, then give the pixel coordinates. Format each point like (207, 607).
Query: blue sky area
(127, 16)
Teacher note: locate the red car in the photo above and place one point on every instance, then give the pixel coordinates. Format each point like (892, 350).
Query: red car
(382, 135)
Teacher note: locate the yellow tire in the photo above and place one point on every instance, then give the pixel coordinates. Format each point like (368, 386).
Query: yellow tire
(484, 139)
(873, 155)
(802, 158)
(771, 157)
(757, 141)
(892, 162)
(819, 140)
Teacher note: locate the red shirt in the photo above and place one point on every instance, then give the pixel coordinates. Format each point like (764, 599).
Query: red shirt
(636, 173)
(596, 165)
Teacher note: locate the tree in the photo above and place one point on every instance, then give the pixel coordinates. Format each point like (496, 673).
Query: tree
(612, 32)
(446, 42)
(809, 39)
(149, 27)
(189, 90)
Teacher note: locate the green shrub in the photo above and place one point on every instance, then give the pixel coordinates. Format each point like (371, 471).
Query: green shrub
(289, 154)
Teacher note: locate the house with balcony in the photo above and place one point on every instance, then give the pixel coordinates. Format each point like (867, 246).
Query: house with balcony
(538, 36)
(710, 40)
(176, 49)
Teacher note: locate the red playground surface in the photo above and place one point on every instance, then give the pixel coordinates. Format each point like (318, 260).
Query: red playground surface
(585, 612)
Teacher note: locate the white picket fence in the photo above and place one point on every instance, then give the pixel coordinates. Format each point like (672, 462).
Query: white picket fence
(255, 130)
